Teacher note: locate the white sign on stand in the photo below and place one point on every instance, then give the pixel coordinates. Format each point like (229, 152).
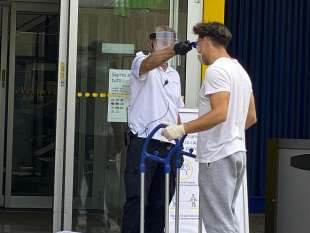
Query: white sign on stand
(189, 191)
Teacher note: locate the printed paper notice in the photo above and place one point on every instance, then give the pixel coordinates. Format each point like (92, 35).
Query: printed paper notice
(118, 95)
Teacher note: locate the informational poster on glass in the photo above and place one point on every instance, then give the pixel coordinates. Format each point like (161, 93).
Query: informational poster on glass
(118, 95)
(189, 192)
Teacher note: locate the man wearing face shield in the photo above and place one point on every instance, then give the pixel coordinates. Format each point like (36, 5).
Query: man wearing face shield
(155, 97)
(226, 110)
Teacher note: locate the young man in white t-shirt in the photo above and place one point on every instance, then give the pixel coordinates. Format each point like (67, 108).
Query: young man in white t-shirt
(226, 110)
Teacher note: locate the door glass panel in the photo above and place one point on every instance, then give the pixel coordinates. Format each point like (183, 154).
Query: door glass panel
(182, 36)
(35, 103)
(109, 34)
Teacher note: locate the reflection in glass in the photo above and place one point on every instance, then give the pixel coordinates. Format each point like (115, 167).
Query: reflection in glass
(99, 144)
(182, 34)
(35, 104)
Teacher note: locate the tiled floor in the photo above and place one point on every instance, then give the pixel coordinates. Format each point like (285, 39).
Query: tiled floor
(41, 222)
(25, 221)
(257, 223)
(13, 221)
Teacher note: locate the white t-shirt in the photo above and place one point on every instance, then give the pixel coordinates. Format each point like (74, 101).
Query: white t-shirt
(227, 138)
(155, 97)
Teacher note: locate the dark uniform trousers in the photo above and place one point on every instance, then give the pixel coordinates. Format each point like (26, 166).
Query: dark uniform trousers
(154, 188)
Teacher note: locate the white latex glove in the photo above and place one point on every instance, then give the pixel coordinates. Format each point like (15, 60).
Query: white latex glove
(173, 131)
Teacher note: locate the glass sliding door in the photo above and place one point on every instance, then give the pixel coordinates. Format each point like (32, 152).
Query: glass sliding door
(108, 37)
(103, 39)
(32, 99)
(180, 25)
(28, 88)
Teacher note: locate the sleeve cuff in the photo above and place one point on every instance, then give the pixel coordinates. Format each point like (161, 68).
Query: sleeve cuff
(210, 92)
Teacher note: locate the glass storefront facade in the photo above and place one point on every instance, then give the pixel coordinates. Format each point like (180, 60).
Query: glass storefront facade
(62, 147)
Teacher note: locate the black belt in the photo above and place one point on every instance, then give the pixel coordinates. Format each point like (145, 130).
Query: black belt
(132, 135)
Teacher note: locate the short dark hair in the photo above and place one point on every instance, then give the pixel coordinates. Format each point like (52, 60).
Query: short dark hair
(217, 32)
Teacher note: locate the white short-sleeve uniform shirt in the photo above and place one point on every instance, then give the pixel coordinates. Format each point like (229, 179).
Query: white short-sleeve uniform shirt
(155, 97)
(227, 138)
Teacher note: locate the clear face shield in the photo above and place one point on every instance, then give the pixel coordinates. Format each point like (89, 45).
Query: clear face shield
(163, 39)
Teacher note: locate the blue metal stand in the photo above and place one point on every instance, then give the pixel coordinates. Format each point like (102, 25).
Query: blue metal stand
(176, 150)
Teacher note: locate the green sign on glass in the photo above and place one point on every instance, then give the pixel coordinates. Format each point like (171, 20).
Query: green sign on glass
(121, 6)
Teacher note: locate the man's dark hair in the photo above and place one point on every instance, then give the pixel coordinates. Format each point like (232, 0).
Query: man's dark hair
(217, 32)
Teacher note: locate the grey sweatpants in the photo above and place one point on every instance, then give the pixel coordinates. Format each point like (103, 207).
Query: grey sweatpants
(219, 185)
